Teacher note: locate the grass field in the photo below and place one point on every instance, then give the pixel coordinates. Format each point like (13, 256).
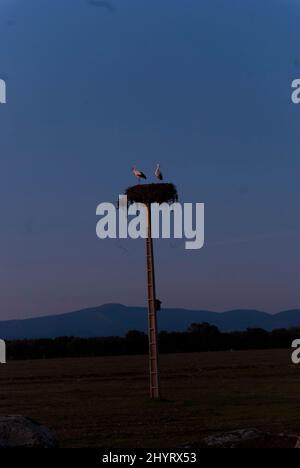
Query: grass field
(103, 402)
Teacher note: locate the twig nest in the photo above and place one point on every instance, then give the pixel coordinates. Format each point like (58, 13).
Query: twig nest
(152, 193)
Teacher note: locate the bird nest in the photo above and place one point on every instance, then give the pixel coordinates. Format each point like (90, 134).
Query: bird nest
(152, 193)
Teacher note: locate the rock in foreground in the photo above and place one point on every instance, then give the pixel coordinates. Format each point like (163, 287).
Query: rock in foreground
(250, 438)
(22, 432)
(245, 438)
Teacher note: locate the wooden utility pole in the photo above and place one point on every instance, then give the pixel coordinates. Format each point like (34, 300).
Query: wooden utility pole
(148, 194)
(152, 319)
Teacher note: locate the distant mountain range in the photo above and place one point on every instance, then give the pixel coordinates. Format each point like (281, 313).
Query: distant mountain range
(117, 319)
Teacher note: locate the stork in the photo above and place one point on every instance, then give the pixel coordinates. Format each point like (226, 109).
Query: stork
(158, 172)
(138, 174)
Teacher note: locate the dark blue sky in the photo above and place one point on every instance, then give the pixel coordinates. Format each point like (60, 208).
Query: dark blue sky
(203, 87)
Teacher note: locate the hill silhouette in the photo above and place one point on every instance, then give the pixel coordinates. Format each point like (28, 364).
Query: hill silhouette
(117, 319)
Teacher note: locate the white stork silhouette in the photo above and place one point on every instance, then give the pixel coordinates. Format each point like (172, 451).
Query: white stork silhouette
(138, 174)
(158, 172)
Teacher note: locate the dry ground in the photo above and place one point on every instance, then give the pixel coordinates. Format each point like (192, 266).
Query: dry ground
(103, 402)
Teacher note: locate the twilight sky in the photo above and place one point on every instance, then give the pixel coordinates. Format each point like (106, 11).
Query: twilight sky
(203, 87)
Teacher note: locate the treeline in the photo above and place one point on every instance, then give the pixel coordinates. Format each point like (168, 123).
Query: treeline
(198, 337)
